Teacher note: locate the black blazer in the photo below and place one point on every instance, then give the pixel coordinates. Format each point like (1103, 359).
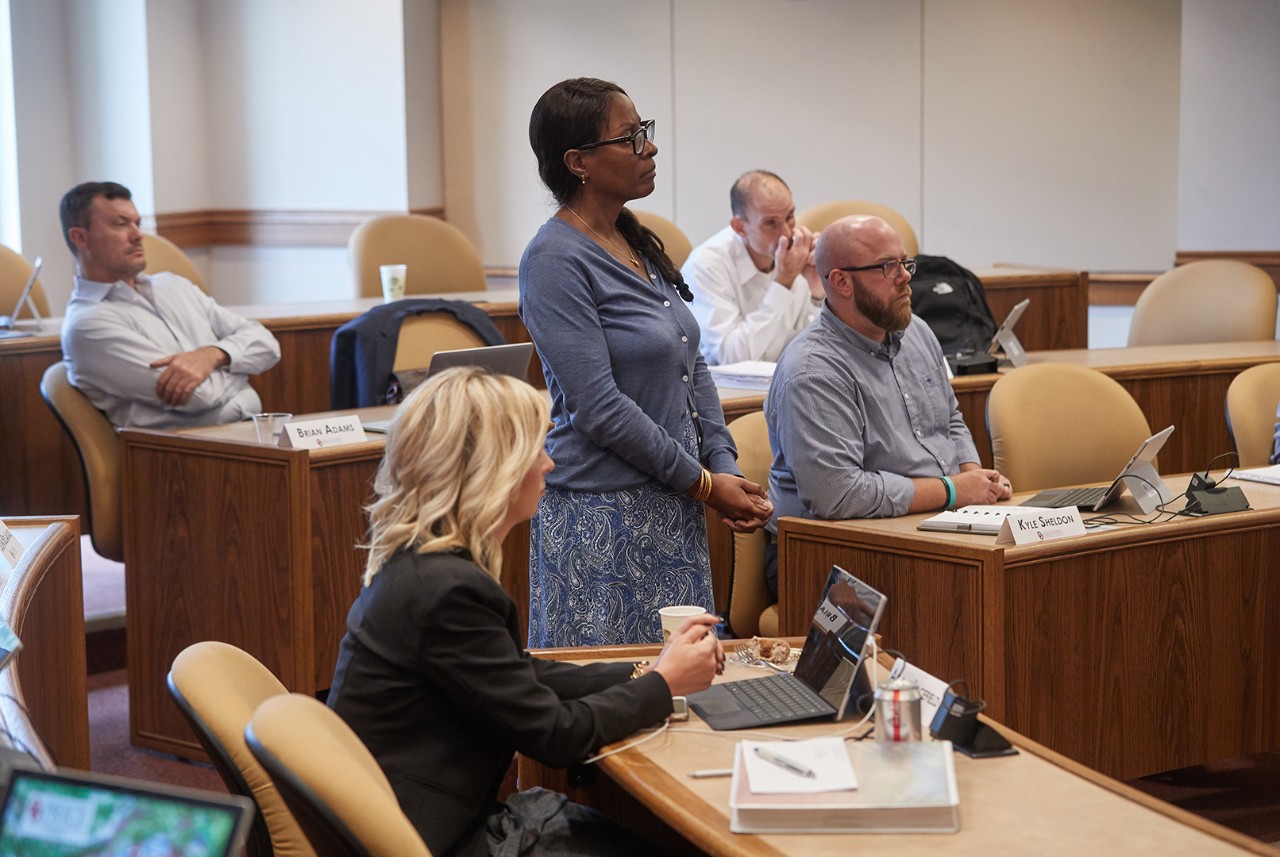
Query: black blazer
(433, 677)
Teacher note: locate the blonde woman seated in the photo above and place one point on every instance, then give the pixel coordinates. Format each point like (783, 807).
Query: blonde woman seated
(432, 674)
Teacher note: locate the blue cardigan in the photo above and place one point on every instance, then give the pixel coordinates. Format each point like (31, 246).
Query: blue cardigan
(621, 361)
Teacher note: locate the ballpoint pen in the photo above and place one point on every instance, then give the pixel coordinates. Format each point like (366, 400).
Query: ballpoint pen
(784, 763)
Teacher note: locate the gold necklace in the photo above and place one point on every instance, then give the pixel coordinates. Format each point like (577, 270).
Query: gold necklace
(632, 259)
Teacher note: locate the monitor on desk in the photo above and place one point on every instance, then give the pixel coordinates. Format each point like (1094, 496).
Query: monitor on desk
(76, 812)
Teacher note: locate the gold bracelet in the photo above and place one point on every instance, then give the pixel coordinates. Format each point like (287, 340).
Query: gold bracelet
(639, 669)
(704, 486)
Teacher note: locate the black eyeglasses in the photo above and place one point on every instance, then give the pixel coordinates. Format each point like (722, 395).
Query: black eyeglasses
(889, 269)
(636, 138)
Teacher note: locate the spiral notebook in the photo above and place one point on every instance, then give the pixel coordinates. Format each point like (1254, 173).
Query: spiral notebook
(984, 520)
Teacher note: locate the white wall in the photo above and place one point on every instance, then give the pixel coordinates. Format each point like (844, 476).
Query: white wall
(45, 150)
(181, 133)
(306, 104)
(1004, 130)
(1051, 132)
(1229, 174)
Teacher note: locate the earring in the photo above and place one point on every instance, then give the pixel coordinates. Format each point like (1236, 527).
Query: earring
(584, 178)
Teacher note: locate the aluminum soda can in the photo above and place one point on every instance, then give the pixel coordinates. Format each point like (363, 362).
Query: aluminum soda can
(898, 710)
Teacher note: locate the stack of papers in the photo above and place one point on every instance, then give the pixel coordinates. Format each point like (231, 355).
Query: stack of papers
(747, 375)
(903, 787)
(1269, 475)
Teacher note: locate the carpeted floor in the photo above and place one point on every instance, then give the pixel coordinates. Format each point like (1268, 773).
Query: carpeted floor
(111, 753)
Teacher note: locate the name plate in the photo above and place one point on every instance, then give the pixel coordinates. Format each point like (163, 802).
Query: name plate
(10, 547)
(317, 434)
(1036, 524)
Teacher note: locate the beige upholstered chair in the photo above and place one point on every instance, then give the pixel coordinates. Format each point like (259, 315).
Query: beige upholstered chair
(752, 609)
(439, 257)
(1252, 399)
(330, 781)
(424, 334)
(42, 693)
(98, 444)
(821, 216)
(14, 270)
(1055, 424)
(673, 240)
(163, 255)
(218, 687)
(1217, 300)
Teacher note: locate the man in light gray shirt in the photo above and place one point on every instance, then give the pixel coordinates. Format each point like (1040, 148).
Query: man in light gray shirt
(150, 351)
(862, 419)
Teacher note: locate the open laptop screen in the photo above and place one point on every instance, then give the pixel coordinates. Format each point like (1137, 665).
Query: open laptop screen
(78, 813)
(847, 616)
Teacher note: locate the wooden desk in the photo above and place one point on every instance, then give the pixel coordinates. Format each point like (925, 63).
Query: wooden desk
(1034, 803)
(255, 546)
(1137, 650)
(43, 601)
(1179, 385)
(44, 473)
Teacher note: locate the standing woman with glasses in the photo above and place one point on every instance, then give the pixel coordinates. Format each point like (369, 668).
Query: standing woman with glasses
(637, 433)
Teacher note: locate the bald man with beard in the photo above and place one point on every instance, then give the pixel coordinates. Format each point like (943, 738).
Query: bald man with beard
(862, 419)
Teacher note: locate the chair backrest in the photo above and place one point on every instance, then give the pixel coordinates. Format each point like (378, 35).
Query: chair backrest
(1056, 424)
(98, 444)
(752, 609)
(439, 258)
(14, 270)
(163, 255)
(42, 693)
(330, 781)
(674, 240)
(422, 335)
(820, 217)
(217, 687)
(1216, 300)
(1252, 400)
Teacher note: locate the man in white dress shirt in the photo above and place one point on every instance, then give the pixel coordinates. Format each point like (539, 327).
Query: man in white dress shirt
(754, 284)
(150, 351)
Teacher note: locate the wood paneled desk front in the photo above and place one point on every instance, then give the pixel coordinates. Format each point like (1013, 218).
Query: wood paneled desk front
(43, 473)
(1034, 803)
(1136, 650)
(256, 546)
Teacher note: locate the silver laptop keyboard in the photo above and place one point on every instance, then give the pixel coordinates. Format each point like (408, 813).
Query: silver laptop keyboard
(778, 698)
(1079, 497)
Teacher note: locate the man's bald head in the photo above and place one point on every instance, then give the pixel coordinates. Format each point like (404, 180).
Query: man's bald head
(848, 242)
(751, 185)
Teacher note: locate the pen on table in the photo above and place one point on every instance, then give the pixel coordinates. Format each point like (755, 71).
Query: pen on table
(711, 772)
(784, 763)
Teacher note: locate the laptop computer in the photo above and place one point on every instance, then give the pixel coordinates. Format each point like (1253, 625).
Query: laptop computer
(511, 359)
(7, 322)
(1139, 475)
(76, 812)
(847, 616)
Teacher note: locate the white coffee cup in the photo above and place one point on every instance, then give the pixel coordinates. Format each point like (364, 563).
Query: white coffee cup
(675, 616)
(269, 426)
(393, 277)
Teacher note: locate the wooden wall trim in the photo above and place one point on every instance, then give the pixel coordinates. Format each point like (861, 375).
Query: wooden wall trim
(1109, 289)
(267, 228)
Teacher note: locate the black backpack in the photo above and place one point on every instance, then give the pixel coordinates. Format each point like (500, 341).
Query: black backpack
(951, 300)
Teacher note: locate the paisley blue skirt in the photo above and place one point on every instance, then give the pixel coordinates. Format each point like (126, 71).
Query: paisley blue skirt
(601, 564)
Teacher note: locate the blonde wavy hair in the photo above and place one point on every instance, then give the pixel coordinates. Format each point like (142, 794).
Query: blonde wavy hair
(459, 447)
